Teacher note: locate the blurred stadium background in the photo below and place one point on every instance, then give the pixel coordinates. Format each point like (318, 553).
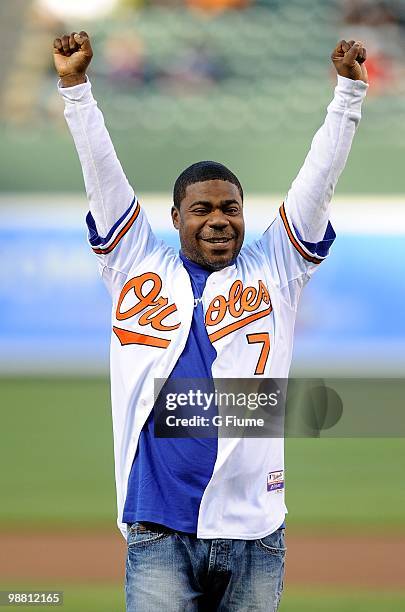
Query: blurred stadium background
(244, 82)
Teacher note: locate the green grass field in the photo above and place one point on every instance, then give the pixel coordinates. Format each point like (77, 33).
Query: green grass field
(102, 598)
(57, 457)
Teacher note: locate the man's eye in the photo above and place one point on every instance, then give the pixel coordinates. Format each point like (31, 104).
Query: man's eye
(200, 211)
(232, 211)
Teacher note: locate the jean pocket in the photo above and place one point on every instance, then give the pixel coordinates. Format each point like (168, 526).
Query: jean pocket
(274, 544)
(146, 533)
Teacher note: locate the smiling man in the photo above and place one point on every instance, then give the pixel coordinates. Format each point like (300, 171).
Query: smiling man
(208, 212)
(203, 517)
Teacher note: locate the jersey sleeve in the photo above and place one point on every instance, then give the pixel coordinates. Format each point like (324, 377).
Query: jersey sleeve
(300, 237)
(291, 259)
(118, 230)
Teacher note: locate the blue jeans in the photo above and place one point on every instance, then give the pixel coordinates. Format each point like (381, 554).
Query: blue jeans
(171, 571)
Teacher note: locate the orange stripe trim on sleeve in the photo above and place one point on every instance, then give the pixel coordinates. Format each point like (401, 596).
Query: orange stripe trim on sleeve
(228, 329)
(294, 241)
(129, 337)
(123, 231)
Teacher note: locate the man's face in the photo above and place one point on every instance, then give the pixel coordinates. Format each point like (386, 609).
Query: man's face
(210, 223)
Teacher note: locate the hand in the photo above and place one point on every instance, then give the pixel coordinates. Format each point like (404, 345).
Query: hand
(348, 59)
(72, 56)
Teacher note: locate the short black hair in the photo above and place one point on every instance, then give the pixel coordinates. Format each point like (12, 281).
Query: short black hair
(200, 172)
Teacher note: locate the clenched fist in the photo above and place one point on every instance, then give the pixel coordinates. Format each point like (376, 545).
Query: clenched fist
(348, 59)
(72, 55)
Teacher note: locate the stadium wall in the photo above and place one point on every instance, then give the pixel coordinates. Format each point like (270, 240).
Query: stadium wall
(55, 311)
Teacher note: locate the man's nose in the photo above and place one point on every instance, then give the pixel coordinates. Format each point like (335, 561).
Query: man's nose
(217, 220)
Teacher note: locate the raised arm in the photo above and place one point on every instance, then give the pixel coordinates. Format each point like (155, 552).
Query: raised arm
(307, 202)
(300, 237)
(108, 190)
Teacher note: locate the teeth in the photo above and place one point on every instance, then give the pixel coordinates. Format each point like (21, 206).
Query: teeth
(218, 239)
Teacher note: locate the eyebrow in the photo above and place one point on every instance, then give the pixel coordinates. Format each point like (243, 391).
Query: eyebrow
(208, 203)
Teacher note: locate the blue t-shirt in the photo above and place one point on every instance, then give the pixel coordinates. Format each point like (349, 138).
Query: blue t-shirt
(169, 475)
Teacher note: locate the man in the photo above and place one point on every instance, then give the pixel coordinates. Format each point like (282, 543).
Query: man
(203, 517)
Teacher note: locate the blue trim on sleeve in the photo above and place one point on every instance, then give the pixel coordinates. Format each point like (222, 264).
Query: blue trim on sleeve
(321, 248)
(94, 238)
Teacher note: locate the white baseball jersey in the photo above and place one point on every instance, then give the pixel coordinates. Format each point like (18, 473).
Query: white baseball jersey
(250, 306)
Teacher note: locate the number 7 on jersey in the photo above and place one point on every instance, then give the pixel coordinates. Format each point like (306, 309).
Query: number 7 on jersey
(262, 338)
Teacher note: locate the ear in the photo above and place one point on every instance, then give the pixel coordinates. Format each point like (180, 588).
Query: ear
(176, 217)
